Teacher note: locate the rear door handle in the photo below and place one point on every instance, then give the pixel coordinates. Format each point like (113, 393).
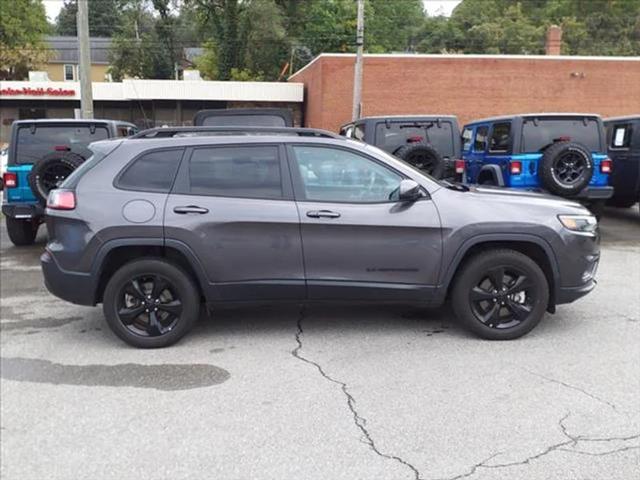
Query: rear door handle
(191, 209)
(322, 214)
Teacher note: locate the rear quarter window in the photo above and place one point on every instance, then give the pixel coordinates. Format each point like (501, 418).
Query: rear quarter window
(151, 172)
(620, 135)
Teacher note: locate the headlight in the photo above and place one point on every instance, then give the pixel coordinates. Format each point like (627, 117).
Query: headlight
(579, 223)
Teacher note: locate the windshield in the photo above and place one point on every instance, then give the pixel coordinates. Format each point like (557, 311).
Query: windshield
(34, 143)
(244, 121)
(540, 133)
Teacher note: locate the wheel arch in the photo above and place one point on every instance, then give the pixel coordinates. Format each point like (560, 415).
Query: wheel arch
(494, 171)
(532, 246)
(117, 253)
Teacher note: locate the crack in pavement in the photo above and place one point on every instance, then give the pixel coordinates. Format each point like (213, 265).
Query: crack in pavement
(572, 440)
(573, 387)
(359, 421)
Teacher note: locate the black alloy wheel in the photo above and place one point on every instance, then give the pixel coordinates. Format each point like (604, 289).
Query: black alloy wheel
(500, 294)
(151, 303)
(149, 306)
(569, 167)
(54, 174)
(504, 298)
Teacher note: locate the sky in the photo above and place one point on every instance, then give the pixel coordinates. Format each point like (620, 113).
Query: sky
(433, 7)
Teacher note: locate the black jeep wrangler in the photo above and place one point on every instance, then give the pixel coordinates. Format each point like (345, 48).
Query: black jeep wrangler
(623, 140)
(244, 117)
(430, 143)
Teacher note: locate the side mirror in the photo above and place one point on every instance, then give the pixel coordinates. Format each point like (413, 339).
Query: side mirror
(409, 191)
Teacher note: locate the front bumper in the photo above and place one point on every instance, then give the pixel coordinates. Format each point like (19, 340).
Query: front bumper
(24, 211)
(595, 193)
(74, 287)
(571, 294)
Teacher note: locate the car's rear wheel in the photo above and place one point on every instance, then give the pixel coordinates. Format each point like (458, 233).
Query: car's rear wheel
(22, 232)
(151, 303)
(500, 294)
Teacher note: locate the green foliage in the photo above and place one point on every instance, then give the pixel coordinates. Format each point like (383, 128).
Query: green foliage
(104, 16)
(23, 23)
(244, 75)
(590, 27)
(207, 63)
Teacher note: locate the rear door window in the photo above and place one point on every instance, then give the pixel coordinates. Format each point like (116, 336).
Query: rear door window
(480, 141)
(540, 133)
(248, 172)
(151, 172)
(500, 141)
(620, 136)
(392, 135)
(33, 144)
(467, 135)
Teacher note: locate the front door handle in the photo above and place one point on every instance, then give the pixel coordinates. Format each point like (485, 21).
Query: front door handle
(191, 209)
(322, 214)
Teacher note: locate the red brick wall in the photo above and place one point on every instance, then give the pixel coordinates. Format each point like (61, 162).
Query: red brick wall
(470, 87)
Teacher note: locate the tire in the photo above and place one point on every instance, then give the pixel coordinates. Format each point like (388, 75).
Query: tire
(424, 157)
(136, 328)
(621, 202)
(566, 168)
(51, 171)
(597, 208)
(472, 295)
(21, 232)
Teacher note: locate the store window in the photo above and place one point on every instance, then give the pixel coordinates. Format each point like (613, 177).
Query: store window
(69, 73)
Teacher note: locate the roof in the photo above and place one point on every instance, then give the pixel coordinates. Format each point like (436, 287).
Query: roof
(418, 56)
(65, 49)
(532, 115)
(626, 117)
(70, 120)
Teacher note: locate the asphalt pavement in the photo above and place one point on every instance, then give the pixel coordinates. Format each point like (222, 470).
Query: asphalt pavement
(324, 392)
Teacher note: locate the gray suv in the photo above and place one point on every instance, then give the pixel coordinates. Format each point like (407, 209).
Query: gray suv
(154, 227)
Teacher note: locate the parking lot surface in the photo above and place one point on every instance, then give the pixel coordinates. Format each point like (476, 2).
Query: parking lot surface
(324, 392)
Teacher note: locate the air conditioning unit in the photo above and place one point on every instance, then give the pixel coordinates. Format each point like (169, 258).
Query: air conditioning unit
(191, 75)
(39, 77)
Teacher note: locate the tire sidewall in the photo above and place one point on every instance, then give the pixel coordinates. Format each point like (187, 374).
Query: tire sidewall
(408, 150)
(548, 177)
(21, 232)
(180, 280)
(470, 276)
(69, 159)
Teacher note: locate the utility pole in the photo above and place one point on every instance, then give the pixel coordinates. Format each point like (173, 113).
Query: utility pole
(84, 59)
(357, 77)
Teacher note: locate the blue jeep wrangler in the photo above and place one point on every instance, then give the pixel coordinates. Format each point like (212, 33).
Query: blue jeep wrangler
(42, 153)
(563, 154)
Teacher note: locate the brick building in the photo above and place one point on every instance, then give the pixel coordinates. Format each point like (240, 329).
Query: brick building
(469, 86)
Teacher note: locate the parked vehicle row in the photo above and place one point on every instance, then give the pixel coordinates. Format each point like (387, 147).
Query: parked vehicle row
(568, 155)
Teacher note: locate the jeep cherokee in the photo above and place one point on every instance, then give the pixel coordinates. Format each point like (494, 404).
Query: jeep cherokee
(296, 218)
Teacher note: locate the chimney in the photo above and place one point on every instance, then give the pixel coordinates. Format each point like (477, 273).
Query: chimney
(553, 44)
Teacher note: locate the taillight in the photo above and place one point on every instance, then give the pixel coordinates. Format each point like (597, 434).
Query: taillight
(516, 168)
(605, 165)
(10, 180)
(459, 166)
(61, 200)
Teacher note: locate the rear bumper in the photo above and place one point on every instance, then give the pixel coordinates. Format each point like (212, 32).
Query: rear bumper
(595, 193)
(73, 287)
(23, 210)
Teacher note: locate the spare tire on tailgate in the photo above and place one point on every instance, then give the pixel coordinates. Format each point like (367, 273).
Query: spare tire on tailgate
(424, 157)
(565, 168)
(51, 171)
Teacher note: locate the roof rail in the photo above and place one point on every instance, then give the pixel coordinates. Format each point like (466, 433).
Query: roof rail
(170, 132)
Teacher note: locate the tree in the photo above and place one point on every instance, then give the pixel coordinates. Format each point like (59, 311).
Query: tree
(104, 17)
(23, 24)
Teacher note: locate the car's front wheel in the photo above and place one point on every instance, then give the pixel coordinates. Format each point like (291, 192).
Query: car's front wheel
(151, 303)
(500, 294)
